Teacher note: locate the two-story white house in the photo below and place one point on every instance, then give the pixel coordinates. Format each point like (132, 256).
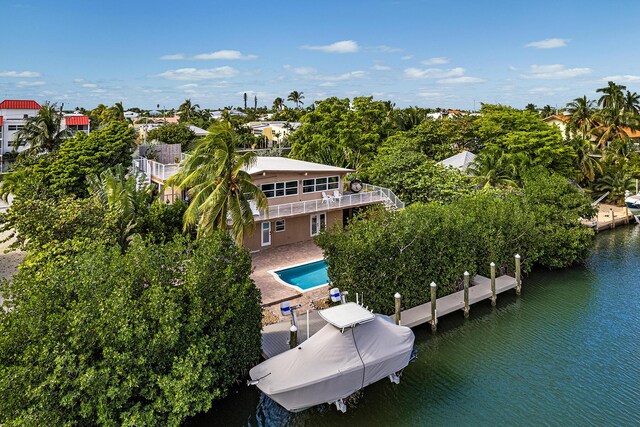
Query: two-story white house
(303, 197)
(15, 113)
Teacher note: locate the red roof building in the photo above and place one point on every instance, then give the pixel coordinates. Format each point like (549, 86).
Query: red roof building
(0, 123)
(76, 120)
(17, 104)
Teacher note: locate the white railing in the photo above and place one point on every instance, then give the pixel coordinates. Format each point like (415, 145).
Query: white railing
(388, 193)
(316, 205)
(162, 171)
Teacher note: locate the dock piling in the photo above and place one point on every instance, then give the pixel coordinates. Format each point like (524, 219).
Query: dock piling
(434, 318)
(398, 299)
(613, 218)
(518, 278)
(466, 294)
(493, 284)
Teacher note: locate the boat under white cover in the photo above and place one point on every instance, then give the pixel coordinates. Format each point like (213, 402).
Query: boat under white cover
(336, 361)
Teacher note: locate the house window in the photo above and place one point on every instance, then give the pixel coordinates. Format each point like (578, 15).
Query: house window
(14, 127)
(279, 225)
(320, 184)
(280, 189)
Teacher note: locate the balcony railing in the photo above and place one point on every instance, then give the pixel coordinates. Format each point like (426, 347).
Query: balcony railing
(345, 201)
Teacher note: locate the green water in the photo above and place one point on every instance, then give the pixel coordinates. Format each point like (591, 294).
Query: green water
(566, 353)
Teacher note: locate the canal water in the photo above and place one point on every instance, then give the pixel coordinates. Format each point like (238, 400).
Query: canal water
(565, 353)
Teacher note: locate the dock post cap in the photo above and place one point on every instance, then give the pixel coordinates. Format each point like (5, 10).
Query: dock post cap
(293, 328)
(433, 284)
(493, 264)
(518, 256)
(397, 295)
(466, 273)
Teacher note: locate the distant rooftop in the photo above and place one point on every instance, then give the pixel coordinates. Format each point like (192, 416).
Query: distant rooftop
(459, 161)
(19, 104)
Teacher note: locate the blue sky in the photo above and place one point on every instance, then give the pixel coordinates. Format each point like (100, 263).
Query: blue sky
(452, 54)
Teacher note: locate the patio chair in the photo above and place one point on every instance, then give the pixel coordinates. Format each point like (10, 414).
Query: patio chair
(336, 195)
(326, 198)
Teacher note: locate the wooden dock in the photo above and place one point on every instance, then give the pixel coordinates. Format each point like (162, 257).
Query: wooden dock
(609, 216)
(275, 337)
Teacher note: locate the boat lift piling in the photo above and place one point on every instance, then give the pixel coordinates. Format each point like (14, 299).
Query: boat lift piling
(434, 316)
(466, 294)
(494, 298)
(398, 299)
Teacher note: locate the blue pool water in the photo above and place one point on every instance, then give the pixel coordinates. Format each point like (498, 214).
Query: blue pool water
(306, 276)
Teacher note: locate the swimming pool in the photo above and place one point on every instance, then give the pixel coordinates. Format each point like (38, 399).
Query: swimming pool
(305, 276)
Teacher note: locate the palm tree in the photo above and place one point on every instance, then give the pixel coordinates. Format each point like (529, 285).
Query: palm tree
(245, 101)
(278, 104)
(586, 161)
(219, 187)
(43, 132)
(547, 111)
(581, 116)
(494, 168)
(631, 103)
(188, 111)
(612, 96)
(116, 112)
(120, 194)
(616, 181)
(296, 97)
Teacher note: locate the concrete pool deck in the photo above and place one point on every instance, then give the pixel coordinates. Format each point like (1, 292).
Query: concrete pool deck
(274, 292)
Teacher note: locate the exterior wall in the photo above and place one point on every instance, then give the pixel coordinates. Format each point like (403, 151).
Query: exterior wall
(297, 229)
(283, 177)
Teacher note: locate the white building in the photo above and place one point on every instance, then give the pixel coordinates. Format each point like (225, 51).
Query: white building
(14, 115)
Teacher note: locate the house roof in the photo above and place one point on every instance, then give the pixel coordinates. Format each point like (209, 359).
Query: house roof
(283, 164)
(198, 131)
(561, 117)
(459, 161)
(19, 104)
(631, 133)
(0, 120)
(76, 120)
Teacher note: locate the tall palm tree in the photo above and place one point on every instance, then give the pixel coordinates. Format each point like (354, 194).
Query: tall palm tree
(586, 159)
(616, 181)
(119, 193)
(612, 96)
(219, 187)
(245, 101)
(43, 132)
(494, 168)
(278, 104)
(188, 111)
(296, 97)
(547, 111)
(631, 103)
(581, 118)
(116, 112)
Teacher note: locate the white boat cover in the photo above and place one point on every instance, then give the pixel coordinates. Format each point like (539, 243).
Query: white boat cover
(332, 365)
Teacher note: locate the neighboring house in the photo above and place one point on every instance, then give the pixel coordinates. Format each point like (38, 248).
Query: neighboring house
(303, 197)
(15, 113)
(460, 161)
(561, 121)
(218, 114)
(131, 115)
(273, 131)
(143, 129)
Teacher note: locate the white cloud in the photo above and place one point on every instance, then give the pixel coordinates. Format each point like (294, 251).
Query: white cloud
(303, 71)
(199, 73)
(19, 74)
(407, 57)
(345, 76)
(548, 43)
(188, 86)
(512, 68)
(545, 90)
(345, 46)
(461, 80)
(430, 95)
(327, 84)
(385, 49)
(30, 84)
(555, 71)
(627, 78)
(174, 57)
(379, 67)
(225, 55)
(89, 85)
(433, 73)
(436, 61)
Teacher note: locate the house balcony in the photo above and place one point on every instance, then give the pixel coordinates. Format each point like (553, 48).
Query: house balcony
(155, 170)
(371, 194)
